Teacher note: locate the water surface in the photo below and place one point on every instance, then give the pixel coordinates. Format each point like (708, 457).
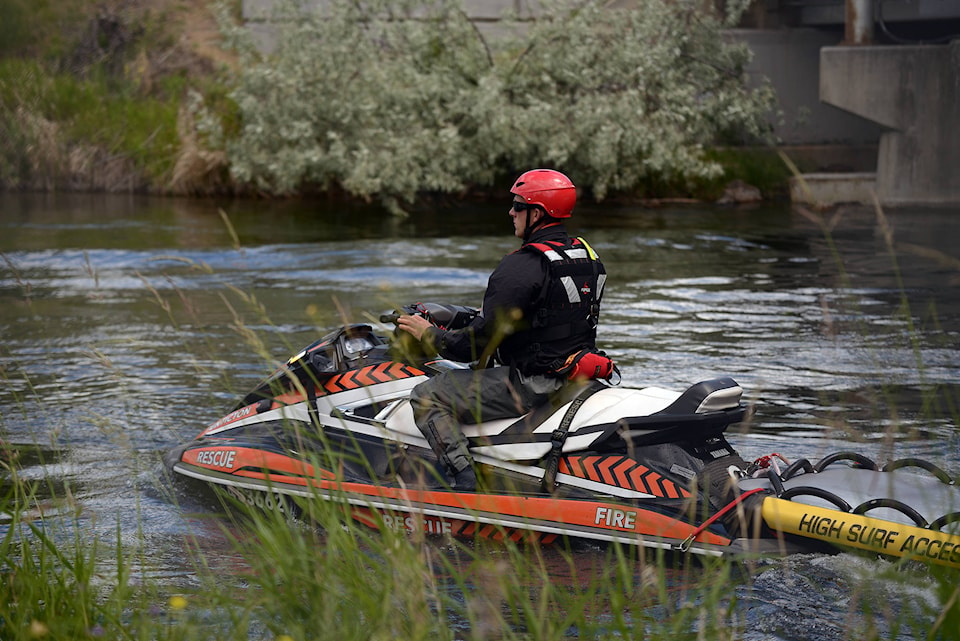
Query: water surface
(126, 326)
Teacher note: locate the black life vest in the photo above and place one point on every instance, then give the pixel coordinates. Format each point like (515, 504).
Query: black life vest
(568, 309)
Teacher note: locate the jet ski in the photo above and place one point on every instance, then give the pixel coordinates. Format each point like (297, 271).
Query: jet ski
(647, 467)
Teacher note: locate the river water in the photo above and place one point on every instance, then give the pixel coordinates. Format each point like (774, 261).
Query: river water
(126, 326)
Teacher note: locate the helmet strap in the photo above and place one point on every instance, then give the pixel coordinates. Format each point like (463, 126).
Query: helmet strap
(531, 227)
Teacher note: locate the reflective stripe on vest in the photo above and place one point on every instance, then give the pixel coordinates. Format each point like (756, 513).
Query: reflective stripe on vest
(557, 254)
(575, 293)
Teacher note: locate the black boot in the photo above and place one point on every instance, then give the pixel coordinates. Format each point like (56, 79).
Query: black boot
(465, 480)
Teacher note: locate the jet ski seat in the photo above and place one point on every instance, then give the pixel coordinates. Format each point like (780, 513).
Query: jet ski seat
(703, 411)
(707, 396)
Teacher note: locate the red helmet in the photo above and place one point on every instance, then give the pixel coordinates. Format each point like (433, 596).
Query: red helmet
(549, 189)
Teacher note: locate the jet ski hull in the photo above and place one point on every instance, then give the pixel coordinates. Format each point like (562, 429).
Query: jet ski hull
(269, 480)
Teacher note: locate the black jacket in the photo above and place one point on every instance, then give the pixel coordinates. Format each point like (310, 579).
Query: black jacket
(505, 326)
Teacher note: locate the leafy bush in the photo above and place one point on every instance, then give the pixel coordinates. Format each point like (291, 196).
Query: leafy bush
(390, 99)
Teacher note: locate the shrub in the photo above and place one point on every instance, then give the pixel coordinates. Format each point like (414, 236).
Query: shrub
(389, 99)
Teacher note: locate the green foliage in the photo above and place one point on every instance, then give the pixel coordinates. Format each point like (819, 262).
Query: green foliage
(14, 32)
(380, 106)
(381, 100)
(90, 95)
(52, 112)
(27, 141)
(757, 166)
(375, 107)
(96, 110)
(31, 27)
(326, 577)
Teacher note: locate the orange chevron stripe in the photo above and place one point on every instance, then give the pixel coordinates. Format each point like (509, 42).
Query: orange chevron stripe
(383, 372)
(663, 486)
(370, 375)
(623, 471)
(640, 478)
(348, 380)
(343, 382)
(604, 470)
(410, 371)
(366, 376)
(579, 469)
(588, 463)
(647, 479)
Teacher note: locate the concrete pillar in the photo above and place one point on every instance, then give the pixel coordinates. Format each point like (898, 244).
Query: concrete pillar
(913, 92)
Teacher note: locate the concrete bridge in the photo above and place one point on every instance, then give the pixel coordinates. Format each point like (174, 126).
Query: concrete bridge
(897, 70)
(870, 89)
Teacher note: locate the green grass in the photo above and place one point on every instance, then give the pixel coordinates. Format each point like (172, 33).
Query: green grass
(757, 166)
(324, 577)
(99, 110)
(37, 27)
(79, 92)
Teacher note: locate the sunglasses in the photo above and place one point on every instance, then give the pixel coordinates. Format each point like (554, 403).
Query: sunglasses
(519, 206)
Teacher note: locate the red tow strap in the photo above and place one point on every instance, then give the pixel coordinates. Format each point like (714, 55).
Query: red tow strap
(687, 542)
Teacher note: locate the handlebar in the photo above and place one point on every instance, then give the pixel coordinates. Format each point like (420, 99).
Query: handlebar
(441, 315)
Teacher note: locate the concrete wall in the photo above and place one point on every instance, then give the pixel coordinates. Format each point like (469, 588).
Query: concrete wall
(790, 59)
(913, 93)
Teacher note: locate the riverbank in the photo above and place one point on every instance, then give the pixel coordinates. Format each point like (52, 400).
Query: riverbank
(94, 96)
(119, 99)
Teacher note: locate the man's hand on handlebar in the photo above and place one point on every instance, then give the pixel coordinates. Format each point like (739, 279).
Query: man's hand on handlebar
(415, 325)
(416, 318)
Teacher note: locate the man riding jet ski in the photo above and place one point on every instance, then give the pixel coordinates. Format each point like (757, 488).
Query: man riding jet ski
(539, 320)
(649, 467)
(396, 433)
